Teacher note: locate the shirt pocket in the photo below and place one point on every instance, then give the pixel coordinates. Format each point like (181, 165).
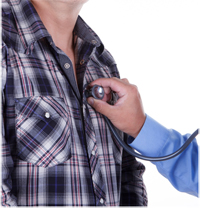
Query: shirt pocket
(42, 130)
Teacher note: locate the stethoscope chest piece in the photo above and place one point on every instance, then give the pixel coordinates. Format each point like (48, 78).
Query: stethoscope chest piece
(95, 91)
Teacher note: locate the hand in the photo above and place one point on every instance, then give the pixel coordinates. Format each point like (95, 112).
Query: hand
(127, 113)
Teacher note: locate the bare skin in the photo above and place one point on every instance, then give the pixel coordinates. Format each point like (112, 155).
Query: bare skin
(59, 18)
(127, 114)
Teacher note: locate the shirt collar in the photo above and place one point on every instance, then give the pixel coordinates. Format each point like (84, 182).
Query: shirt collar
(31, 28)
(83, 31)
(28, 22)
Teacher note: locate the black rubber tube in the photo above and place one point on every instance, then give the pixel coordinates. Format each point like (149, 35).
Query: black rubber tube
(153, 159)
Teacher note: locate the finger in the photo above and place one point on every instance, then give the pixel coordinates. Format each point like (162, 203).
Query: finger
(115, 84)
(125, 80)
(107, 97)
(101, 106)
(107, 90)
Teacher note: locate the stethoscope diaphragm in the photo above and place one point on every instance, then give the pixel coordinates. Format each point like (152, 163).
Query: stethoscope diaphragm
(95, 91)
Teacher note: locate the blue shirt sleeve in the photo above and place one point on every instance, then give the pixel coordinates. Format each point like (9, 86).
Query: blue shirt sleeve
(155, 140)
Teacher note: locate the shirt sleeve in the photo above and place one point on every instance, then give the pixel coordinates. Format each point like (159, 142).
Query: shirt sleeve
(154, 140)
(7, 199)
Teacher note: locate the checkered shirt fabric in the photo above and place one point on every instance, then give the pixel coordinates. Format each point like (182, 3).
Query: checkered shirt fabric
(56, 150)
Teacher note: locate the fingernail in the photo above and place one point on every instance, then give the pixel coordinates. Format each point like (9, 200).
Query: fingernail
(90, 100)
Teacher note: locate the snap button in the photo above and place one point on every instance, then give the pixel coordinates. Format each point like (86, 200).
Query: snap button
(94, 41)
(47, 115)
(101, 201)
(67, 65)
(82, 62)
(93, 152)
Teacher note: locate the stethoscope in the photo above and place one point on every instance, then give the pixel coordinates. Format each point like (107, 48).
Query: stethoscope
(98, 93)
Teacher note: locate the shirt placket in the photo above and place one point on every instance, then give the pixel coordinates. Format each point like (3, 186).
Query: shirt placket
(95, 167)
(90, 137)
(89, 141)
(67, 68)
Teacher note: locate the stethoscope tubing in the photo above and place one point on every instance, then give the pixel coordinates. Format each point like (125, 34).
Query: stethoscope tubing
(100, 94)
(142, 157)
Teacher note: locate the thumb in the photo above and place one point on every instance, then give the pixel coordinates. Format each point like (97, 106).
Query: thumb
(101, 106)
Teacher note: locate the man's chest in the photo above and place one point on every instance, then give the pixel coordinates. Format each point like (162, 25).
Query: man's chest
(51, 111)
(52, 125)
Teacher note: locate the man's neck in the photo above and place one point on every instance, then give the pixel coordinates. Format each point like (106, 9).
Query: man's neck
(59, 19)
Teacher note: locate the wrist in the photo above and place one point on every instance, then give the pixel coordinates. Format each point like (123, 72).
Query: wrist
(151, 133)
(139, 125)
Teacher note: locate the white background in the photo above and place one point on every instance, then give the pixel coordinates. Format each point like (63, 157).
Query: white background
(156, 44)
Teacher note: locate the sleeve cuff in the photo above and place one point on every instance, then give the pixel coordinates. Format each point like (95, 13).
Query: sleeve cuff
(151, 138)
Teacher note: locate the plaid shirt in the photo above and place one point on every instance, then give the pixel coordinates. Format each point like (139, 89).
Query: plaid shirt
(58, 151)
